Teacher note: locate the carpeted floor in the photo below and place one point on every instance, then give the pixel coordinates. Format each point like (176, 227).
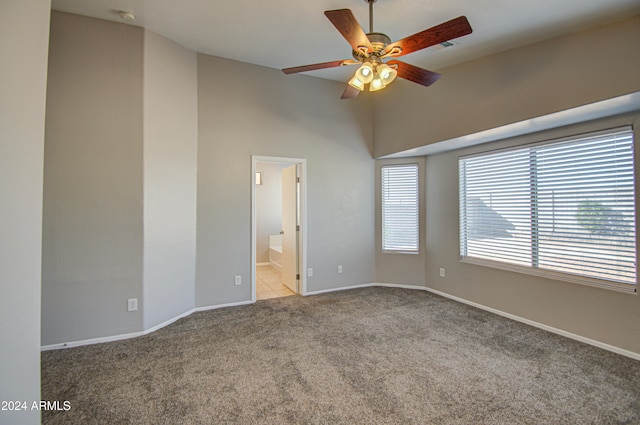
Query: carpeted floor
(363, 356)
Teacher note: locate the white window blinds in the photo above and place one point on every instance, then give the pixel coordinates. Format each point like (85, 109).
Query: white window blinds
(400, 208)
(565, 208)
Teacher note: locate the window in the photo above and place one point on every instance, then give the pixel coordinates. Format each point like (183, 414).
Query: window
(400, 208)
(563, 209)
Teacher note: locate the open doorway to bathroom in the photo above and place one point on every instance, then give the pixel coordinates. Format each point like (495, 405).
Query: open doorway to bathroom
(278, 227)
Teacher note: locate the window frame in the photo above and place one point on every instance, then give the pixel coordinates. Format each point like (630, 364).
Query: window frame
(542, 272)
(391, 250)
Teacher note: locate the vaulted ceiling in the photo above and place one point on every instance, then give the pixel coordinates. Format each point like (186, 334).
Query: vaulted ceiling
(286, 33)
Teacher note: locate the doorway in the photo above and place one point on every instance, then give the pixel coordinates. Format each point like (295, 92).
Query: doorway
(278, 231)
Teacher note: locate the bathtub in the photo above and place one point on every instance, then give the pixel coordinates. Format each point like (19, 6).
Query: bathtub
(275, 251)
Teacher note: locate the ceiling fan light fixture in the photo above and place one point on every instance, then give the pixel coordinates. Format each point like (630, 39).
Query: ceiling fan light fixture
(377, 84)
(365, 73)
(386, 73)
(356, 83)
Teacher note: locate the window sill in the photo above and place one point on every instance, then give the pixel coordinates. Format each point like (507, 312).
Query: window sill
(400, 252)
(565, 277)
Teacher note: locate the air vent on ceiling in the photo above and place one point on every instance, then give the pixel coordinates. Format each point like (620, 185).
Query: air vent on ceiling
(444, 45)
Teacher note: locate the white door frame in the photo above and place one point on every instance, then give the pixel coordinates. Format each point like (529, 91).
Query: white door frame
(302, 247)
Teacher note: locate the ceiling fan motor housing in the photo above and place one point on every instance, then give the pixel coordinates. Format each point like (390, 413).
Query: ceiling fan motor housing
(378, 40)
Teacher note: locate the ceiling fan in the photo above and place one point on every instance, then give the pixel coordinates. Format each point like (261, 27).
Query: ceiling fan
(373, 51)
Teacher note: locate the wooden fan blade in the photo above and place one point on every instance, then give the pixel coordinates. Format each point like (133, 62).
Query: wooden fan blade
(346, 23)
(323, 65)
(439, 34)
(413, 73)
(350, 92)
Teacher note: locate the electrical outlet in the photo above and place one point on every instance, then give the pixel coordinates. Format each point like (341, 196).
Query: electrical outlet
(441, 271)
(339, 268)
(238, 280)
(309, 272)
(132, 304)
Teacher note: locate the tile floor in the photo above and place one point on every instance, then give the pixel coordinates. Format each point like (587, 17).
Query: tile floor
(269, 284)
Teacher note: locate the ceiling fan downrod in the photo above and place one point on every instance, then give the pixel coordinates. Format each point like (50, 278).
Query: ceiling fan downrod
(370, 14)
(378, 40)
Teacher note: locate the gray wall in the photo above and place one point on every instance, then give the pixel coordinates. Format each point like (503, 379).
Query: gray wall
(246, 110)
(24, 35)
(170, 159)
(92, 222)
(120, 177)
(268, 207)
(490, 92)
(603, 315)
(509, 87)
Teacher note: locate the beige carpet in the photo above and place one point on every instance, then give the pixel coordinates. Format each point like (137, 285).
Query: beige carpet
(363, 356)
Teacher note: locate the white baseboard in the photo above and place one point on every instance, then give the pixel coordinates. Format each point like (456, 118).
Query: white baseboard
(542, 326)
(366, 285)
(401, 286)
(216, 307)
(529, 322)
(90, 341)
(136, 334)
(168, 322)
(342, 288)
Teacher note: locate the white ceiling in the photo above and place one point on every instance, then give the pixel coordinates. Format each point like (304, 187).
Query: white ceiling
(285, 33)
